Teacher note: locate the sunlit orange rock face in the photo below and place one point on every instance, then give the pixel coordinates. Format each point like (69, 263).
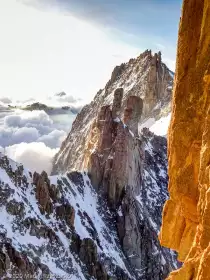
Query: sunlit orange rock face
(186, 215)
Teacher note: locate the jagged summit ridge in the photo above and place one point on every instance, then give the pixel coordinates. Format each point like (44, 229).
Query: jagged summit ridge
(107, 159)
(146, 77)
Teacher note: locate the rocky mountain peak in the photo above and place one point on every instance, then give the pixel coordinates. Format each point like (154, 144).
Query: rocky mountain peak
(146, 77)
(107, 153)
(119, 159)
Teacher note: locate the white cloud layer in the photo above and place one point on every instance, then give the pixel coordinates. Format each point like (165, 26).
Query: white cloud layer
(5, 100)
(28, 118)
(32, 138)
(53, 139)
(10, 136)
(35, 156)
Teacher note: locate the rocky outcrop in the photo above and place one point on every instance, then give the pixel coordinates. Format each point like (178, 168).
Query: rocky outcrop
(117, 103)
(145, 77)
(42, 184)
(66, 212)
(132, 113)
(37, 106)
(14, 264)
(107, 161)
(88, 255)
(111, 139)
(186, 225)
(117, 160)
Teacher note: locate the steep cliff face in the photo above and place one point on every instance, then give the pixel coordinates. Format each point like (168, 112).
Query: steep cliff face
(186, 226)
(146, 77)
(130, 170)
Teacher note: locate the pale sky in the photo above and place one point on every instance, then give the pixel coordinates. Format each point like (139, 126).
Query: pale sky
(44, 50)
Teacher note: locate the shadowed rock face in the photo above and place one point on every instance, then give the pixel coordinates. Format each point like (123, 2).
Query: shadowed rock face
(117, 164)
(42, 191)
(186, 226)
(132, 113)
(108, 164)
(117, 103)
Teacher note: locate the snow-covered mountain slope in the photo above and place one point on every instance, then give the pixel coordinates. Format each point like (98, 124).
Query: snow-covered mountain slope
(56, 226)
(146, 77)
(158, 127)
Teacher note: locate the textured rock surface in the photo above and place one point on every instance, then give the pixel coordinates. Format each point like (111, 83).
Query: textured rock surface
(132, 113)
(42, 184)
(132, 173)
(186, 226)
(146, 77)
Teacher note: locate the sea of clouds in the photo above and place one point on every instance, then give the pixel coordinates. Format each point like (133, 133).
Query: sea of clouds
(33, 137)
